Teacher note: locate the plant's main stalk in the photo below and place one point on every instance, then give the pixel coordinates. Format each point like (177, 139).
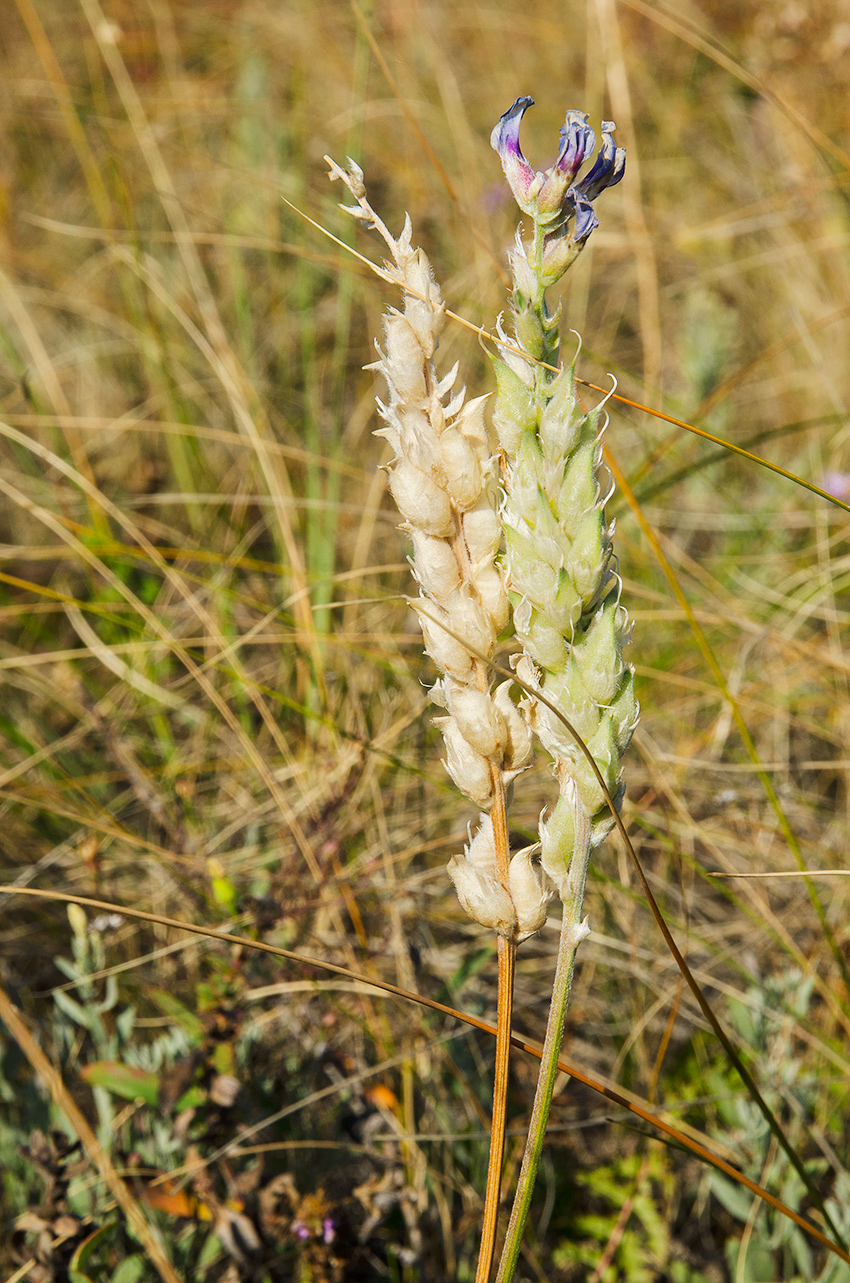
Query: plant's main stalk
(559, 560)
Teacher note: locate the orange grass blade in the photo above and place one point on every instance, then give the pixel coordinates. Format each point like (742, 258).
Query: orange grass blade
(727, 445)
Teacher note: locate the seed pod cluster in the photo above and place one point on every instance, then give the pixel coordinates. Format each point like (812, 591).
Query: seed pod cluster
(443, 478)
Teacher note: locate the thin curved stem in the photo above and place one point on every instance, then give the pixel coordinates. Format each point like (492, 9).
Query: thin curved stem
(492, 1198)
(573, 931)
(507, 957)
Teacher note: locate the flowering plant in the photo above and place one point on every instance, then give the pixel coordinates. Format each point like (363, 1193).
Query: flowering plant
(561, 207)
(556, 578)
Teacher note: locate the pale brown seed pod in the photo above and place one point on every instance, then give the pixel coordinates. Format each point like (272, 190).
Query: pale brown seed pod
(443, 480)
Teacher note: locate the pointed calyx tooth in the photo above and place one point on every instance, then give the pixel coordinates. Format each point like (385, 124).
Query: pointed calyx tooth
(624, 709)
(355, 179)
(439, 692)
(472, 422)
(523, 272)
(446, 384)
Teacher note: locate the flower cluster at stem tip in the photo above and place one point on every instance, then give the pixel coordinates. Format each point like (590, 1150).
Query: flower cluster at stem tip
(562, 208)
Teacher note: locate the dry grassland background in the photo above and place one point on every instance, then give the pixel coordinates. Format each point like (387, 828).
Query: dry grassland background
(212, 691)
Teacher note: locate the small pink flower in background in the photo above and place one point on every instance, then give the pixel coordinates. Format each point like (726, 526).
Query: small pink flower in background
(837, 484)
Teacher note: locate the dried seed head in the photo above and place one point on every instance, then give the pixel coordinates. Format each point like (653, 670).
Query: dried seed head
(420, 500)
(435, 565)
(531, 900)
(479, 721)
(443, 479)
(469, 769)
(518, 751)
(482, 897)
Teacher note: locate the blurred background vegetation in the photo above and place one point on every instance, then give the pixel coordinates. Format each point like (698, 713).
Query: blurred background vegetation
(213, 703)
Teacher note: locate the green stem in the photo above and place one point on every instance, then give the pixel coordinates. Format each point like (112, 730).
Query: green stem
(539, 301)
(550, 338)
(572, 933)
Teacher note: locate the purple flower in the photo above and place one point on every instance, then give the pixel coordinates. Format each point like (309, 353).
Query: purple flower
(552, 198)
(585, 216)
(505, 140)
(608, 168)
(577, 140)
